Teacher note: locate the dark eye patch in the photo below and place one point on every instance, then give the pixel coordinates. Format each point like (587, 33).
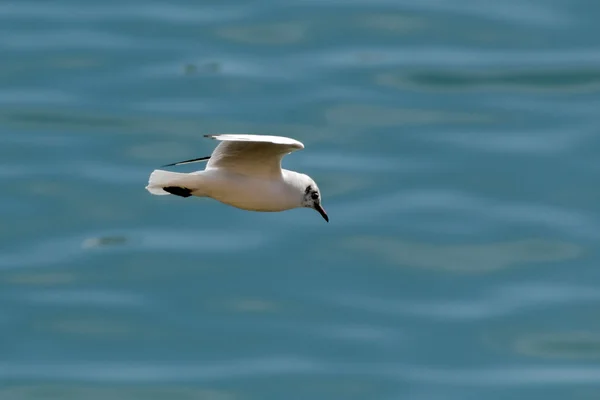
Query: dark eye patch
(308, 189)
(315, 196)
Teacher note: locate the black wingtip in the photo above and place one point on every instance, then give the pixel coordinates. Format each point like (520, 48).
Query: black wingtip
(178, 191)
(187, 162)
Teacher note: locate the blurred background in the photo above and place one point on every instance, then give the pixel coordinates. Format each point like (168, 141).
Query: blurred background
(456, 146)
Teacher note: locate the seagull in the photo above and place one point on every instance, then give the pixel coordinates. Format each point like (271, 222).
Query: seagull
(244, 171)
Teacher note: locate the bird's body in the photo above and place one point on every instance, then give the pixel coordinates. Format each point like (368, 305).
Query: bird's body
(237, 190)
(245, 172)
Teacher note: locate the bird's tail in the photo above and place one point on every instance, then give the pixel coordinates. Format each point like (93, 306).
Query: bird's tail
(177, 183)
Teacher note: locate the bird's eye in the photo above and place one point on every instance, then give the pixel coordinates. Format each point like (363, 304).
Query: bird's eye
(315, 195)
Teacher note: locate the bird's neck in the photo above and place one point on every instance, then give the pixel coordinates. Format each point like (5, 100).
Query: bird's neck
(295, 183)
(292, 177)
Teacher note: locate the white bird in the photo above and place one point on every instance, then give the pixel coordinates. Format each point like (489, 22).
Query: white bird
(244, 171)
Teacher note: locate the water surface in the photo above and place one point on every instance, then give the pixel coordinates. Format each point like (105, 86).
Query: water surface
(456, 146)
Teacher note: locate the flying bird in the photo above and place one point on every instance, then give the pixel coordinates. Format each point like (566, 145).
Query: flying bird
(244, 171)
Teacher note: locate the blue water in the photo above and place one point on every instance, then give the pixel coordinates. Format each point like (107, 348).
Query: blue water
(456, 145)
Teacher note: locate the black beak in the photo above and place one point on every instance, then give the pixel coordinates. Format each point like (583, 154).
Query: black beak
(321, 211)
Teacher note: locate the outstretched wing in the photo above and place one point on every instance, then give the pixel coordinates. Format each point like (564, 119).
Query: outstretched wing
(256, 155)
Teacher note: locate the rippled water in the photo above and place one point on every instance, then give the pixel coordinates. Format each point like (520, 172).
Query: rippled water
(456, 146)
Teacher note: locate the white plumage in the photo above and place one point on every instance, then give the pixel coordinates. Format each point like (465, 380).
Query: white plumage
(244, 171)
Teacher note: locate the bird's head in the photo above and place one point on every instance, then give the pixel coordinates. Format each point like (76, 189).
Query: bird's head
(311, 196)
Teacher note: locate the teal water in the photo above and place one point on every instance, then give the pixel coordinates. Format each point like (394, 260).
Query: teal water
(456, 146)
